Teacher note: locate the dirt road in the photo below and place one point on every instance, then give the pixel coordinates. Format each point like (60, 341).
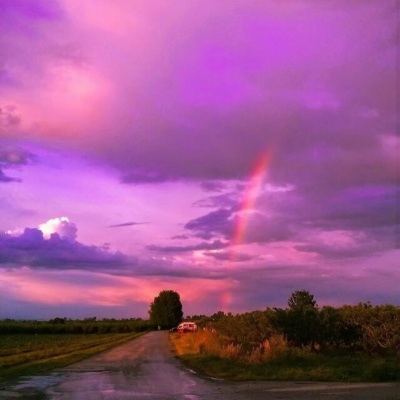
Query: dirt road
(146, 369)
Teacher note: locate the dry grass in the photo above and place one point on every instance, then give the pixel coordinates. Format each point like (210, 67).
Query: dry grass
(213, 355)
(209, 343)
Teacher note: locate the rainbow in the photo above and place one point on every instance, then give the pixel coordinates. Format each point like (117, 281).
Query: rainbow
(250, 196)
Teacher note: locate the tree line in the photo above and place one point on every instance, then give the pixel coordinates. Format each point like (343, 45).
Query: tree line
(63, 325)
(303, 324)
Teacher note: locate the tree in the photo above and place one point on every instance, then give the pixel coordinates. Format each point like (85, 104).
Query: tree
(301, 299)
(300, 322)
(166, 309)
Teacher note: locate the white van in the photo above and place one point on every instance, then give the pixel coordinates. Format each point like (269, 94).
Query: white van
(187, 327)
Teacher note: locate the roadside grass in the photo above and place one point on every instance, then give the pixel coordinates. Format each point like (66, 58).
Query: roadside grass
(210, 355)
(26, 354)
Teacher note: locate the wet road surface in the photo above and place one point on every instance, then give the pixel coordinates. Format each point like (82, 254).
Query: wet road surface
(145, 368)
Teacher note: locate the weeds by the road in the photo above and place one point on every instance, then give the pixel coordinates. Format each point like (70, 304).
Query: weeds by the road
(31, 354)
(211, 355)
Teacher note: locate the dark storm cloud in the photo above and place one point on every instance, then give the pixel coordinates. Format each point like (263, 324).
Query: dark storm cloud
(210, 107)
(287, 97)
(31, 249)
(214, 223)
(225, 92)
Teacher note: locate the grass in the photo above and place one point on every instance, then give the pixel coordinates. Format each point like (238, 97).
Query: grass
(208, 354)
(33, 354)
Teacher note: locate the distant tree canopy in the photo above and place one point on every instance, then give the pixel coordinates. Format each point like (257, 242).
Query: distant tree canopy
(166, 309)
(301, 299)
(63, 325)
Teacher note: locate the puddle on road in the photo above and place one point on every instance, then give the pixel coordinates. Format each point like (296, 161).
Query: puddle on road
(32, 387)
(38, 382)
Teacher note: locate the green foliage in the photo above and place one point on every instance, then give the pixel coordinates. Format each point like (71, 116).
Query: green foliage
(373, 329)
(379, 326)
(166, 309)
(300, 300)
(300, 323)
(218, 316)
(335, 330)
(252, 328)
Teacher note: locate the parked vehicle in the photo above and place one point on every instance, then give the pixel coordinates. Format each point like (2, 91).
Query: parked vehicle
(187, 327)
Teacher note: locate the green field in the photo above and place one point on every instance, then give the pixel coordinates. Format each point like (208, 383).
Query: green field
(22, 354)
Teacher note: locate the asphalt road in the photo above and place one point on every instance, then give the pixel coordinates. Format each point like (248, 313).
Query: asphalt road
(145, 368)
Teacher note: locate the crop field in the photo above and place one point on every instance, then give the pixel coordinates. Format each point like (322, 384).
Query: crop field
(22, 354)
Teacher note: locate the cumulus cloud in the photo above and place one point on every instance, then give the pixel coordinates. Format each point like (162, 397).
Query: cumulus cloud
(62, 226)
(32, 249)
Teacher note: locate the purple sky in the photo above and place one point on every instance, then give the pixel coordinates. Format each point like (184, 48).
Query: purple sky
(234, 151)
